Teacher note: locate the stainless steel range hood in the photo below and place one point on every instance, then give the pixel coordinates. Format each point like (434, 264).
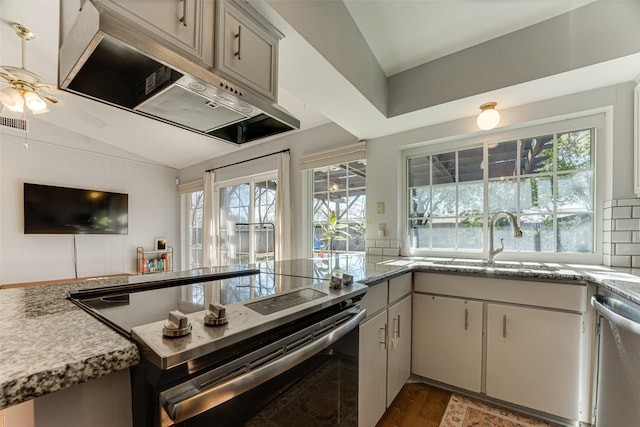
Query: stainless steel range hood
(110, 60)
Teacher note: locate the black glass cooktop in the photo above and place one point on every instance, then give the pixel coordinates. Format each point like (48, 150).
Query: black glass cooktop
(282, 302)
(126, 310)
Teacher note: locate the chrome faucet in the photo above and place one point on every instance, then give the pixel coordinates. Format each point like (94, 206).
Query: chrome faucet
(517, 233)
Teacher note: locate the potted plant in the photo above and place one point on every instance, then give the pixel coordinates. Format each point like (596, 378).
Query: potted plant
(332, 230)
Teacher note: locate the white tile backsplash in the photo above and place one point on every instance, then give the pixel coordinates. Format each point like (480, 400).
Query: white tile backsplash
(626, 224)
(622, 212)
(621, 233)
(374, 251)
(627, 249)
(620, 261)
(619, 237)
(390, 251)
(628, 202)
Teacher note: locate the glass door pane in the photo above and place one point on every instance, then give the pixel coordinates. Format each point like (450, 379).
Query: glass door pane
(247, 221)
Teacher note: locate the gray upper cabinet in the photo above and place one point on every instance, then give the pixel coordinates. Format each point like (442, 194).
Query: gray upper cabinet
(245, 50)
(180, 23)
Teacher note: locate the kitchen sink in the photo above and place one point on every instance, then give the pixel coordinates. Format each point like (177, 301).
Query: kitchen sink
(514, 265)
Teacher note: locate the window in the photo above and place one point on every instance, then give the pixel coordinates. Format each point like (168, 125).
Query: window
(193, 203)
(247, 215)
(547, 181)
(340, 189)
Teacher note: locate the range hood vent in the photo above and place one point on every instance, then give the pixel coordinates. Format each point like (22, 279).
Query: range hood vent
(112, 61)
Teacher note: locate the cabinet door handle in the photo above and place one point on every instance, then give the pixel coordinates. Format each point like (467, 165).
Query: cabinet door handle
(239, 37)
(398, 326)
(184, 13)
(504, 326)
(386, 332)
(466, 319)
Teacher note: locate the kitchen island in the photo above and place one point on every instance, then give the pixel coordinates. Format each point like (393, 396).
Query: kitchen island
(49, 344)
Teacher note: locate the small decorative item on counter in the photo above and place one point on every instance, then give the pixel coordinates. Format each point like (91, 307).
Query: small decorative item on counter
(145, 265)
(347, 279)
(165, 262)
(335, 283)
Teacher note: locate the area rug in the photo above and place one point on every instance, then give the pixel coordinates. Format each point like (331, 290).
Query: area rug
(465, 412)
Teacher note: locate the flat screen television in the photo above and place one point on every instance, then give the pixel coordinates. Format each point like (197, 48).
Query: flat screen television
(61, 210)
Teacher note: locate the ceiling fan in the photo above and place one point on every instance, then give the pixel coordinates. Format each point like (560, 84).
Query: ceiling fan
(25, 88)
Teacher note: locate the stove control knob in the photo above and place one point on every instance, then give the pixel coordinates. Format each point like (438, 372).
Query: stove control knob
(177, 325)
(216, 315)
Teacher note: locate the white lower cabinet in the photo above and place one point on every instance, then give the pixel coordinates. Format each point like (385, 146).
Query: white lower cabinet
(533, 358)
(385, 348)
(372, 384)
(447, 340)
(398, 347)
(520, 342)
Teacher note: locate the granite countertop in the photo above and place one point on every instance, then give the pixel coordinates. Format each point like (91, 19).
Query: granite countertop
(48, 343)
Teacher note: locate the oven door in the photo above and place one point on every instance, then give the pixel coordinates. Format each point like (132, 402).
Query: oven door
(308, 377)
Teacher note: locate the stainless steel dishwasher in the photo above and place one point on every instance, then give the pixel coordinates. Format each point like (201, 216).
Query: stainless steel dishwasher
(618, 361)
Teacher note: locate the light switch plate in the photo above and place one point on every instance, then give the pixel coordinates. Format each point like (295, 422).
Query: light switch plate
(381, 207)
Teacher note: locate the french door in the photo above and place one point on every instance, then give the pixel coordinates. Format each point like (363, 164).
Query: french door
(247, 216)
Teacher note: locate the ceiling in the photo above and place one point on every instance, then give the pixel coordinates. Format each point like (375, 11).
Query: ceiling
(400, 34)
(406, 33)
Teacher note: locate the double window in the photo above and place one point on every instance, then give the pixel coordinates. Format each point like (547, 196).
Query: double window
(547, 181)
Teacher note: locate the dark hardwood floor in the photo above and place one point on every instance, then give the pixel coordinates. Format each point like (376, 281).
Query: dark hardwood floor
(417, 405)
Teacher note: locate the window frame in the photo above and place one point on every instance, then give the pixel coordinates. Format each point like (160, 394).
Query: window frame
(308, 213)
(250, 180)
(595, 121)
(185, 227)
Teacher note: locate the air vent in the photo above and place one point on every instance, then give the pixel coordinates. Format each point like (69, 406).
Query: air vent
(19, 124)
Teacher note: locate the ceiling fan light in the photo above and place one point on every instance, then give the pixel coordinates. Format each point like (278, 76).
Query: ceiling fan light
(18, 106)
(489, 116)
(34, 102)
(11, 98)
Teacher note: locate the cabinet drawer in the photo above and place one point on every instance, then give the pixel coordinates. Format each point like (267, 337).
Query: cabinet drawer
(541, 294)
(399, 287)
(375, 299)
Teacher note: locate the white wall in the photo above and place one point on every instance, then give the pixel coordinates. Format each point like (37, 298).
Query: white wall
(59, 157)
(384, 155)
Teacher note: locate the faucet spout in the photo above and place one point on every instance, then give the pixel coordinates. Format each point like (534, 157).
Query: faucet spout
(517, 233)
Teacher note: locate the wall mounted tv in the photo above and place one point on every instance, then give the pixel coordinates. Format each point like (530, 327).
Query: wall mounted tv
(61, 210)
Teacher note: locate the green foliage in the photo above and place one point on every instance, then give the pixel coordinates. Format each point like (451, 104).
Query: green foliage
(332, 230)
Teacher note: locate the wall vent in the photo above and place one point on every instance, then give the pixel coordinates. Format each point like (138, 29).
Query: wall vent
(11, 123)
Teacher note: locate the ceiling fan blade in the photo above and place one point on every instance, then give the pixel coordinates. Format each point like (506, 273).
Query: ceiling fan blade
(51, 99)
(7, 75)
(45, 87)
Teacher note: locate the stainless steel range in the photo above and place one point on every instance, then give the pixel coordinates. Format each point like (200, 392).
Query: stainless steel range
(254, 349)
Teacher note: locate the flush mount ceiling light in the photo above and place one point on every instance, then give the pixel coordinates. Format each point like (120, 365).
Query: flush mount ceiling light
(489, 116)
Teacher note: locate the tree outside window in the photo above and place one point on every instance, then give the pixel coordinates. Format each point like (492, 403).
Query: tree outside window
(546, 180)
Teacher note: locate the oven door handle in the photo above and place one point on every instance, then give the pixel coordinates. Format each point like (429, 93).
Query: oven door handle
(607, 309)
(175, 411)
